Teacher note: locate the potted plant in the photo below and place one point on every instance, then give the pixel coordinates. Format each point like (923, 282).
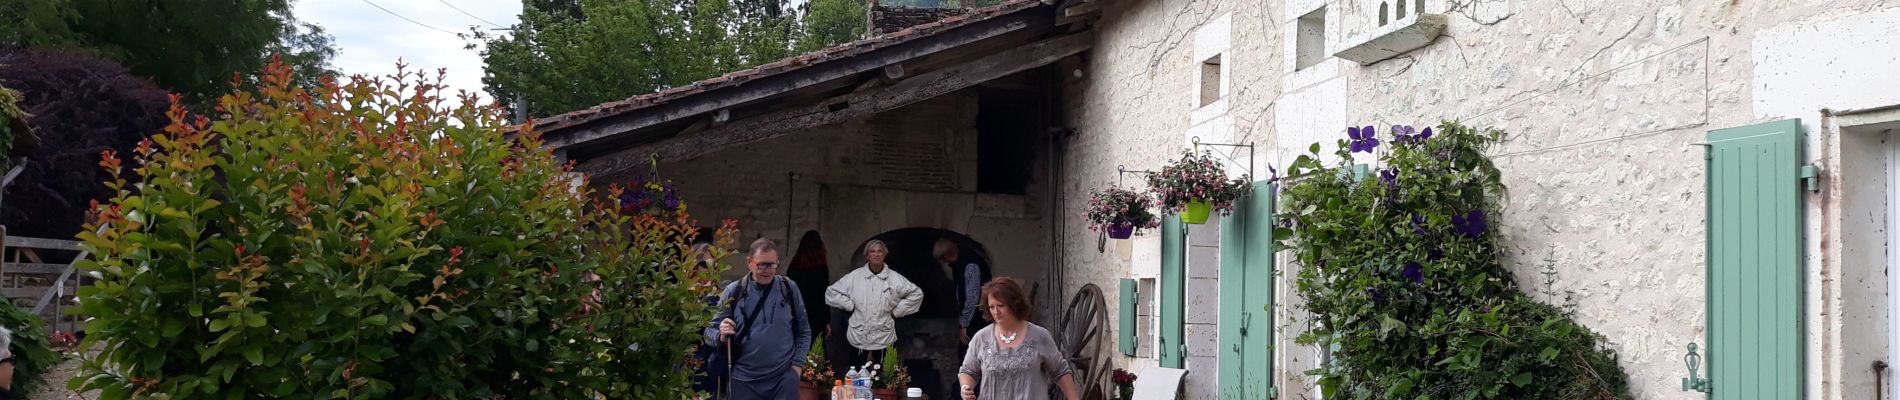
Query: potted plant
(1119, 212)
(814, 383)
(1124, 384)
(892, 378)
(1195, 185)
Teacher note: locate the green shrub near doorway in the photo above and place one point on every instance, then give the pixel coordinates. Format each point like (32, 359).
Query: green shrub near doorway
(371, 239)
(1402, 276)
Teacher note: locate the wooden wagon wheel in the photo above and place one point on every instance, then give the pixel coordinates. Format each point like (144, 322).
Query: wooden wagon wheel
(1084, 336)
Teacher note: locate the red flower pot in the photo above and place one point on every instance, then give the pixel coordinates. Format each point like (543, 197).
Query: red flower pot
(809, 391)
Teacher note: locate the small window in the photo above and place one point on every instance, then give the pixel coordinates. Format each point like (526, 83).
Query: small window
(1385, 12)
(1401, 9)
(1210, 80)
(1310, 47)
(1145, 325)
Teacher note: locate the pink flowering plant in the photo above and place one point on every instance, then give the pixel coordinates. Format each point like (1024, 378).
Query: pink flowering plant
(1196, 177)
(1115, 206)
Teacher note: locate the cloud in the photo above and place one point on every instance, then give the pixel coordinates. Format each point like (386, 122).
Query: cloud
(370, 40)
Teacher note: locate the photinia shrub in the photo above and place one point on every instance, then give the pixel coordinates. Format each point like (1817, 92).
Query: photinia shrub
(365, 240)
(1196, 177)
(1403, 279)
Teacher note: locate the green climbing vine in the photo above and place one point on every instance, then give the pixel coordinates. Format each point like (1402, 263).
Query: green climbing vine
(1403, 279)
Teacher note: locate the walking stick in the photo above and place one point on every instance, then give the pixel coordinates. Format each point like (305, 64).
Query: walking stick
(728, 381)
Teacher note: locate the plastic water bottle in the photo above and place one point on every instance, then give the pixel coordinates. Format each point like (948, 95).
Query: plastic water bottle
(852, 378)
(837, 389)
(863, 385)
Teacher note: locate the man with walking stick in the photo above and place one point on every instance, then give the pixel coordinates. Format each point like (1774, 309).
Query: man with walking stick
(762, 328)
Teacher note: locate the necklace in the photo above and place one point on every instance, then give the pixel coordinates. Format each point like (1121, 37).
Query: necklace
(1010, 337)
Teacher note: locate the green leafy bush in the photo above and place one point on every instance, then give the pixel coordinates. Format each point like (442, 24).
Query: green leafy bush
(33, 353)
(1403, 279)
(362, 240)
(12, 122)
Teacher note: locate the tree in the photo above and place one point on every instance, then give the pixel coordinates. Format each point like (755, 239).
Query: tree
(566, 55)
(828, 23)
(80, 106)
(190, 47)
(371, 239)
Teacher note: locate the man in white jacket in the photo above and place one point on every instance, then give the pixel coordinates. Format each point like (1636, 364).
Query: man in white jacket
(875, 296)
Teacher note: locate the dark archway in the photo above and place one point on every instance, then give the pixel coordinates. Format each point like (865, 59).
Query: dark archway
(911, 256)
(927, 340)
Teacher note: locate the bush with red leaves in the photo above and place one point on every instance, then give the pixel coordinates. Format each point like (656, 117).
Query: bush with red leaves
(81, 105)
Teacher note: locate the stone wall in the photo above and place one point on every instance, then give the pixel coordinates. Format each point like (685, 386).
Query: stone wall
(1605, 102)
(911, 167)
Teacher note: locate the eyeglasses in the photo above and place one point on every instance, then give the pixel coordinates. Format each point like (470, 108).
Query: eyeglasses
(768, 266)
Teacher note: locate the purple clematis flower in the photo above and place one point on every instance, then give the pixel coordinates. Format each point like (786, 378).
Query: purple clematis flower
(1414, 272)
(1418, 225)
(1406, 134)
(1378, 297)
(1363, 139)
(1471, 224)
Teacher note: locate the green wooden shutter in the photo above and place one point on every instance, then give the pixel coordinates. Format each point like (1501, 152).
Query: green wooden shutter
(1233, 292)
(1754, 277)
(1128, 315)
(1173, 283)
(1257, 334)
(1246, 297)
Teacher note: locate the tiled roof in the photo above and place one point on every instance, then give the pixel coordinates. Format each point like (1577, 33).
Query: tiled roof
(788, 64)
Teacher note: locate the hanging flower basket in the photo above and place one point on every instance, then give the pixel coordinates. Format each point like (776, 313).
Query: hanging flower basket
(1195, 185)
(1196, 212)
(1120, 212)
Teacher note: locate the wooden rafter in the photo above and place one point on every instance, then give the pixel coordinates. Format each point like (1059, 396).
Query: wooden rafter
(857, 104)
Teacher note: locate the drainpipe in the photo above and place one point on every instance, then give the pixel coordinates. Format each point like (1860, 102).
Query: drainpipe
(1056, 216)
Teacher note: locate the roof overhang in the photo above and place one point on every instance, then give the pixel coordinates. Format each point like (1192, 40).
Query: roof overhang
(923, 60)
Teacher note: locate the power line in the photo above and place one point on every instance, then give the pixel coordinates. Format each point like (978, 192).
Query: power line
(459, 9)
(407, 18)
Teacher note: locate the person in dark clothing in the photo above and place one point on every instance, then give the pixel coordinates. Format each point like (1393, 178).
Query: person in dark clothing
(969, 278)
(810, 270)
(765, 347)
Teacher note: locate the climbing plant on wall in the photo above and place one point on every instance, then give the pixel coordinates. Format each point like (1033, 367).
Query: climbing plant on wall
(1403, 279)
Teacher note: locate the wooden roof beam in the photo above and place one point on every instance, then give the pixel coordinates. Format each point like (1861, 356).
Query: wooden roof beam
(714, 100)
(857, 104)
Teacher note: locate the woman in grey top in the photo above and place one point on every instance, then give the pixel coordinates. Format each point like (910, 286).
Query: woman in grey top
(1013, 359)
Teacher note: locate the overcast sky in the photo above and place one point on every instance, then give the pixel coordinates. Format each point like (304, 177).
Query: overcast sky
(370, 40)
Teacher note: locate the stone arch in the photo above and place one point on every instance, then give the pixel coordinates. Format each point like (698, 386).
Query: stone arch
(928, 341)
(911, 256)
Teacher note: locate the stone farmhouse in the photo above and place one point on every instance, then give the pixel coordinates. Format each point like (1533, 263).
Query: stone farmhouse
(1716, 172)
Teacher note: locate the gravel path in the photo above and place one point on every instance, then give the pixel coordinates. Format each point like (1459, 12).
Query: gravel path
(56, 382)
